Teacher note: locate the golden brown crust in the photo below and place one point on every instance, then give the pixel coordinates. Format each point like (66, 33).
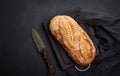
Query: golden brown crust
(73, 39)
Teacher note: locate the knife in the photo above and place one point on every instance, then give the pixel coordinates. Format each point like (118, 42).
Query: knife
(42, 49)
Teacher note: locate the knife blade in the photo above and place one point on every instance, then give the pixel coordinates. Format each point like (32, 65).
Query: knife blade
(42, 49)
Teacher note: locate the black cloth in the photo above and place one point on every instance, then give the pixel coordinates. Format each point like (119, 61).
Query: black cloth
(104, 31)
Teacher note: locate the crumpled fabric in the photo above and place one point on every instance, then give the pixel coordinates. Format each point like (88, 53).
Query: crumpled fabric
(104, 30)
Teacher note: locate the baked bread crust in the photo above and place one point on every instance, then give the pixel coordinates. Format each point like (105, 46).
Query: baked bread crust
(73, 39)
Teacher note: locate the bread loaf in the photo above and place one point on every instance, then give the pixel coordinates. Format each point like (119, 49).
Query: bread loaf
(73, 39)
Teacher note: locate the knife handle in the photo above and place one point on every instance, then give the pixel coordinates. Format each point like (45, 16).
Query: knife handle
(48, 60)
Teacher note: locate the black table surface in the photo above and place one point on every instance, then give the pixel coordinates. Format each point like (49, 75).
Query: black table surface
(18, 54)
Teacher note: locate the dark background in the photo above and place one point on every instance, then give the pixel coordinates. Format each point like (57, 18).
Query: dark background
(18, 55)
